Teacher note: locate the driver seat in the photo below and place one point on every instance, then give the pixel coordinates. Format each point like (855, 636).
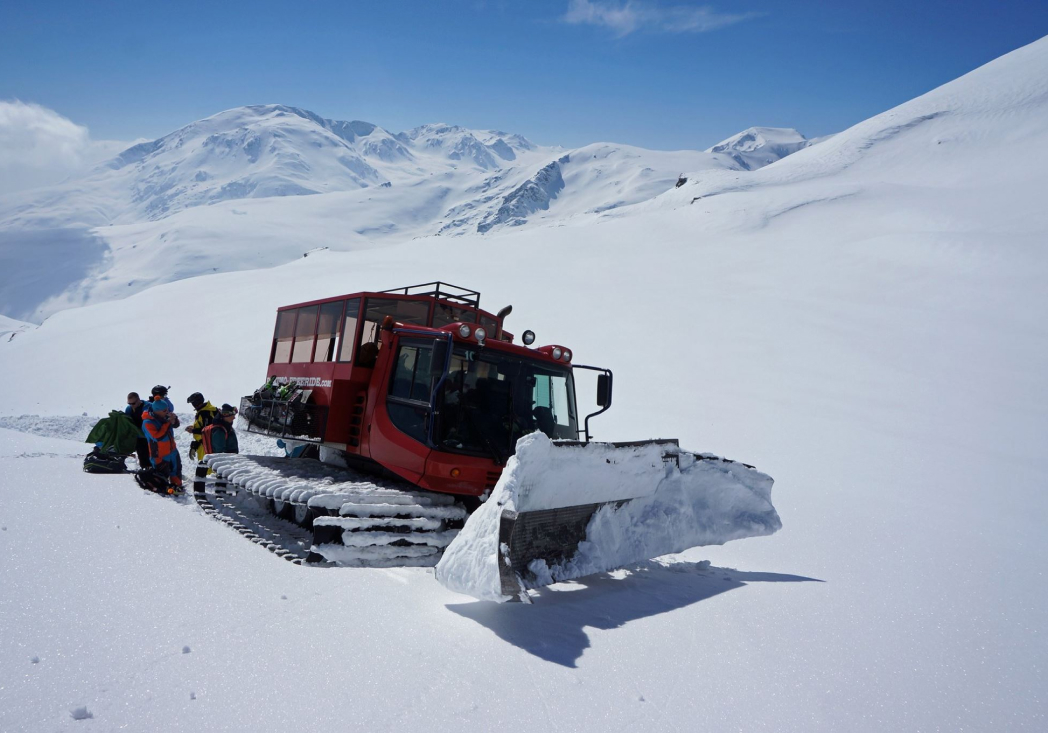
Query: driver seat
(545, 421)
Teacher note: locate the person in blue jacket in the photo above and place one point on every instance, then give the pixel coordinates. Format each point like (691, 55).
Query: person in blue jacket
(219, 436)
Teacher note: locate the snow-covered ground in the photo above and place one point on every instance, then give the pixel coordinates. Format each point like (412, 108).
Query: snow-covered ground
(9, 328)
(862, 320)
(152, 617)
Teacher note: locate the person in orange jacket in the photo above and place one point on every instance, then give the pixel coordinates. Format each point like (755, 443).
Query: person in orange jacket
(159, 424)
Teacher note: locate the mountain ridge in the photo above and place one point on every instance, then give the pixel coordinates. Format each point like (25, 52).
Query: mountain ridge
(180, 205)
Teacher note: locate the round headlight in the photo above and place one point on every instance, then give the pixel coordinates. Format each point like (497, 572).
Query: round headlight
(481, 334)
(464, 331)
(528, 338)
(556, 352)
(567, 355)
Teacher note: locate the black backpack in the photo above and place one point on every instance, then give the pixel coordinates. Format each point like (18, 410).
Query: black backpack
(98, 461)
(150, 480)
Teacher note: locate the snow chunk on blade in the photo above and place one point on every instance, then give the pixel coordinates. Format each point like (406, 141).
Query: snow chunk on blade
(564, 510)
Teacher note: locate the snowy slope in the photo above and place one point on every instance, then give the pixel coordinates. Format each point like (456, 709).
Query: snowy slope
(597, 178)
(862, 320)
(255, 187)
(9, 328)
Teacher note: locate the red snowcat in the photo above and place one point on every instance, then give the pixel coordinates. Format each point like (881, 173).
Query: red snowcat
(399, 411)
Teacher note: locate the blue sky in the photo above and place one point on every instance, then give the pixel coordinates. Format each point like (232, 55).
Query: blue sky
(661, 75)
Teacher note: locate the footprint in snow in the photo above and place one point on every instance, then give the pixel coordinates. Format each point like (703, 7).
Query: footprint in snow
(81, 713)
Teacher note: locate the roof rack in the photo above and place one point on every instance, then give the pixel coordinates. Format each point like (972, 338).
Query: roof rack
(444, 291)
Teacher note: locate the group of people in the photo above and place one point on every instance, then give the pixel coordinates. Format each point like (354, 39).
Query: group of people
(212, 431)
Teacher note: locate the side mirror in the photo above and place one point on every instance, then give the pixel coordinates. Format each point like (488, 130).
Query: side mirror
(603, 390)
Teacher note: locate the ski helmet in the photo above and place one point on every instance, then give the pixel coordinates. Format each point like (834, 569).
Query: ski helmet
(227, 409)
(196, 400)
(159, 390)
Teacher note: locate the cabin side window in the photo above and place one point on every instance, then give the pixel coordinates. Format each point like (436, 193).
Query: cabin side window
(446, 313)
(284, 336)
(349, 329)
(328, 328)
(305, 329)
(405, 311)
(491, 325)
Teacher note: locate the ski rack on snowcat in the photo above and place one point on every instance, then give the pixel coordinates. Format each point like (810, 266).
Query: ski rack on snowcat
(292, 419)
(442, 291)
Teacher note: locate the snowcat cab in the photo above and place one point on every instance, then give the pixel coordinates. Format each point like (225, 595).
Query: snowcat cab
(418, 381)
(403, 410)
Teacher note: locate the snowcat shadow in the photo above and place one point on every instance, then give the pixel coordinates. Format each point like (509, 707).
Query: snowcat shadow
(554, 626)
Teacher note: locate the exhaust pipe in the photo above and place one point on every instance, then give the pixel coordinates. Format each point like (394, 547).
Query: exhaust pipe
(501, 315)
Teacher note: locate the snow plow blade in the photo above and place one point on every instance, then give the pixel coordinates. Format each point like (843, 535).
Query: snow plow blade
(564, 510)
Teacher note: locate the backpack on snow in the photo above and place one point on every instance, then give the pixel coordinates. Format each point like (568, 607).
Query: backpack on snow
(150, 480)
(99, 461)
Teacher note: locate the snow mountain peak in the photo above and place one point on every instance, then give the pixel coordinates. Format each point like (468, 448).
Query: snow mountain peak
(256, 186)
(756, 147)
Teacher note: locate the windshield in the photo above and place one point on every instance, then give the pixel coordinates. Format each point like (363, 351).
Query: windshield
(489, 400)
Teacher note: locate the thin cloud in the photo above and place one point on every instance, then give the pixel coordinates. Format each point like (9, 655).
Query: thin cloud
(625, 18)
(39, 147)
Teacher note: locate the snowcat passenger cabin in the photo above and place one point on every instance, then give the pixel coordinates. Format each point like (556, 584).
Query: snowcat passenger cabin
(419, 381)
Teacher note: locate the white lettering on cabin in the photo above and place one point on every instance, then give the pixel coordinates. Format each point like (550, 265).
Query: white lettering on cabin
(304, 381)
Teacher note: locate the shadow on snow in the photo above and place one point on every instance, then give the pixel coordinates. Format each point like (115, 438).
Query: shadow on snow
(553, 627)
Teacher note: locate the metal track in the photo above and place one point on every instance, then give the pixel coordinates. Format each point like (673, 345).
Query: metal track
(282, 538)
(341, 517)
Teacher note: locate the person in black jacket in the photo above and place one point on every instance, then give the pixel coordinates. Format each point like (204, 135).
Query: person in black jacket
(134, 409)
